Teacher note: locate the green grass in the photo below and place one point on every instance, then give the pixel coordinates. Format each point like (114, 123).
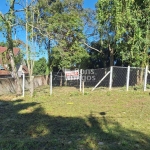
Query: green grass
(68, 120)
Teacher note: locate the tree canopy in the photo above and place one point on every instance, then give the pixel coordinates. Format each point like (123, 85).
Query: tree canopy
(124, 28)
(40, 67)
(62, 27)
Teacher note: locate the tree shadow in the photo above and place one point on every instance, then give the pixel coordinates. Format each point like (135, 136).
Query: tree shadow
(25, 128)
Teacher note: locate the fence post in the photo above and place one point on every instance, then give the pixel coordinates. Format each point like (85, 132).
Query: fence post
(128, 78)
(145, 77)
(80, 80)
(100, 81)
(110, 80)
(50, 83)
(83, 87)
(23, 83)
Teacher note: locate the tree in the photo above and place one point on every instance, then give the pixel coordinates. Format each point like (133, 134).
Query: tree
(69, 39)
(61, 24)
(124, 28)
(137, 33)
(40, 67)
(30, 48)
(137, 36)
(8, 21)
(110, 21)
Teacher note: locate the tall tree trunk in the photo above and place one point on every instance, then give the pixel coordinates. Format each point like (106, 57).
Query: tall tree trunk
(143, 65)
(140, 76)
(48, 64)
(12, 61)
(111, 57)
(30, 64)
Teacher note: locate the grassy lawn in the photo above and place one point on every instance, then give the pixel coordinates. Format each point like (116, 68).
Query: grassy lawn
(68, 120)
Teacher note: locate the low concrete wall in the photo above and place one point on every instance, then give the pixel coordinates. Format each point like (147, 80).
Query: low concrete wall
(7, 85)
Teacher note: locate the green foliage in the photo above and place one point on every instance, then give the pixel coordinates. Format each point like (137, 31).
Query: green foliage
(129, 22)
(70, 57)
(40, 66)
(65, 29)
(3, 44)
(19, 58)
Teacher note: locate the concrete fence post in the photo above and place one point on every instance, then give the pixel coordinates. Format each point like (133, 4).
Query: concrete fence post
(128, 78)
(80, 80)
(23, 84)
(110, 80)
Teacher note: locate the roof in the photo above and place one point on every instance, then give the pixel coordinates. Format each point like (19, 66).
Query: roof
(15, 50)
(3, 49)
(25, 69)
(4, 72)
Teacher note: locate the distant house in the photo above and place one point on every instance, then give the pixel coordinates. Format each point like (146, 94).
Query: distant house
(4, 70)
(23, 69)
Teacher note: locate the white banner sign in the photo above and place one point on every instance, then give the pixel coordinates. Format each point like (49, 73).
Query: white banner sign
(72, 75)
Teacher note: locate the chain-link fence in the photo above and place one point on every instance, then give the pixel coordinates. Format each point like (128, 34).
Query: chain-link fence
(113, 77)
(89, 76)
(59, 79)
(128, 77)
(92, 76)
(137, 77)
(148, 81)
(119, 75)
(134, 76)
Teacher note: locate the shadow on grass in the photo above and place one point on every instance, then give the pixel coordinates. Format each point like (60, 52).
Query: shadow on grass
(36, 130)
